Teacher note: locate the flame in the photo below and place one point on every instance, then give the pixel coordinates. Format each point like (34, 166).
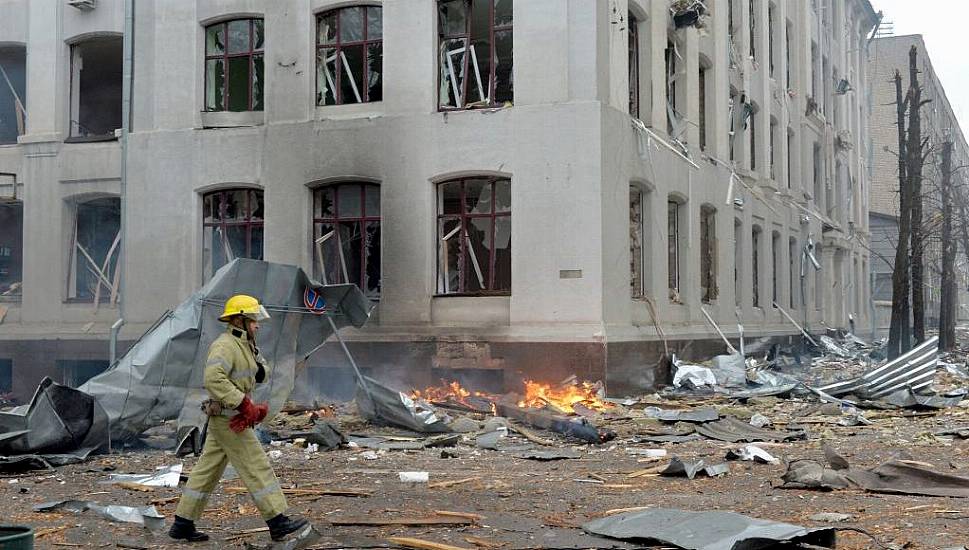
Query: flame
(563, 398)
(450, 391)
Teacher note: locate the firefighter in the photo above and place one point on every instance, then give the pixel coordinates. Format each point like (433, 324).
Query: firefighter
(232, 369)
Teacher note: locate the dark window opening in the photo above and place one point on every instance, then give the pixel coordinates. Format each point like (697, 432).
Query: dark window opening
(670, 55)
(738, 235)
(770, 38)
(708, 254)
(788, 55)
(234, 67)
(13, 87)
(790, 158)
(474, 236)
(76, 373)
(96, 87)
(346, 235)
(752, 131)
(703, 108)
(673, 249)
(755, 264)
(475, 58)
(633, 66)
(349, 56)
(773, 146)
(775, 249)
(636, 243)
(795, 273)
(819, 279)
(232, 227)
(11, 249)
(6, 377)
(753, 30)
(95, 248)
(818, 176)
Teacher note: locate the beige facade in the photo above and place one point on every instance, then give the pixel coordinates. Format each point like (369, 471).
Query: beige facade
(597, 218)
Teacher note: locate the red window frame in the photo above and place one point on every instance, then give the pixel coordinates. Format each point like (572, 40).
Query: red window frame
(365, 217)
(246, 221)
(339, 45)
(251, 53)
(464, 217)
(466, 36)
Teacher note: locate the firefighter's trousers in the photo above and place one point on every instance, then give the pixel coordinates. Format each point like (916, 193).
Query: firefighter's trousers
(243, 451)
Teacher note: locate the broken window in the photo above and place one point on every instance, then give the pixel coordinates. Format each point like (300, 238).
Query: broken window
(738, 236)
(819, 279)
(818, 175)
(671, 110)
(708, 253)
(13, 80)
(234, 68)
(752, 132)
(773, 146)
(475, 53)
(96, 87)
(788, 55)
(733, 114)
(346, 235)
(755, 264)
(703, 108)
(76, 372)
(636, 242)
(474, 236)
(349, 56)
(794, 271)
(775, 258)
(673, 248)
(770, 37)
(11, 248)
(633, 66)
(753, 30)
(731, 19)
(790, 158)
(94, 274)
(232, 227)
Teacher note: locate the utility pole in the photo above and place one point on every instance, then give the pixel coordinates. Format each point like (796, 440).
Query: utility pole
(899, 332)
(949, 303)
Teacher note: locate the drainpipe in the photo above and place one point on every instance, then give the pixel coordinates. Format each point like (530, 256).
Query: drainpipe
(127, 58)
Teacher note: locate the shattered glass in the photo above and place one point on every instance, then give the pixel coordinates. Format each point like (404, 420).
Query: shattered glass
(450, 254)
(257, 82)
(478, 254)
(351, 24)
(375, 69)
(371, 286)
(479, 89)
(477, 196)
(351, 81)
(260, 34)
(215, 85)
(323, 203)
(504, 75)
(326, 28)
(449, 198)
(97, 225)
(503, 195)
(453, 60)
(503, 12)
(326, 76)
(453, 16)
(375, 23)
(215, 40)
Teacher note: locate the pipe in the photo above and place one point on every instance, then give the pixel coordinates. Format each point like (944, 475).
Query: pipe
(126, 86)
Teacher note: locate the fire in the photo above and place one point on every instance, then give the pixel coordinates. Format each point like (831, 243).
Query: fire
(447, 391)
(563, 397)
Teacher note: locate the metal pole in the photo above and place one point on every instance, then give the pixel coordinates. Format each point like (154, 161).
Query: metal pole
(346, 350)
(793, 322)
(126, 86)
(730, 347)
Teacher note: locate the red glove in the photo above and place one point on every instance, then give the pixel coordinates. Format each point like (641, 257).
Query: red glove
(249, 415)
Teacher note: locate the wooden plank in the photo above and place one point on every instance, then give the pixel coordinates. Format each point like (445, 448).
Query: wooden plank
(420, 544)
(411, 521)
(451, 483)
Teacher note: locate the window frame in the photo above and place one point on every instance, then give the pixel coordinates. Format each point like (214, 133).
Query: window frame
(709, 276)
(73, 294)
(363, 220)
(756, 236)
(338, 45)
(674, 255)
(493, 29)
(251, 53)
(247, 222)
(463, 216)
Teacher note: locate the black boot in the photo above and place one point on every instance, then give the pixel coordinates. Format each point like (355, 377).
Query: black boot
(184, 529)
(281, 526)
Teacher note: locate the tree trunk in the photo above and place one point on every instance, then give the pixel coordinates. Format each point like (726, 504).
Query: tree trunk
(898, 335)
(914, 151)
(949, 301)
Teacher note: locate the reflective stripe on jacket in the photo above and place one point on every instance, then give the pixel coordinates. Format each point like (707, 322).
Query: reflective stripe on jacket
(231, 368)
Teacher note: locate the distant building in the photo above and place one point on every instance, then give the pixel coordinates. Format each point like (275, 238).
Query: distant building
(530, 189)
(938, 124)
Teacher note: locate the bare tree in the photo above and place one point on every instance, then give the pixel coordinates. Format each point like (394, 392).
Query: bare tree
(947, 308)
(899, 334)
(915, 160)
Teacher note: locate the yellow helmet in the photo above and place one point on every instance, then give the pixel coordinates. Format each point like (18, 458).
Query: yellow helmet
(247, 306)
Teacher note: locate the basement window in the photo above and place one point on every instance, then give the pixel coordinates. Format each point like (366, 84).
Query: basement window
(94, 273)
(11, 249)
(755, 234)
(13, 80)
(234, 67)
(232, 227)
(474, 237)
(708, 253)
(346, 235)
(96, 66)
(633, 25)
(475, 57)
(349, 56)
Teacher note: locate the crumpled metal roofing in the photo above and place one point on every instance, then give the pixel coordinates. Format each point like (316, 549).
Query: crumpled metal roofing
(914, 370)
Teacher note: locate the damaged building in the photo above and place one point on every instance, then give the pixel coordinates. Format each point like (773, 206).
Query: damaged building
(939, 124)
(528, 189)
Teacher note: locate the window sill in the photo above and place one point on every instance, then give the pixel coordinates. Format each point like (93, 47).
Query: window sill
(91, 139)
(471, 310)
(229, 119)
(483, 108)
(350, 111)
(468, 295)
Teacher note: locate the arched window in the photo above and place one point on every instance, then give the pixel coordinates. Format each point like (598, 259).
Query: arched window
(234, 65)
(232, 227)
(93, 254)
(474, 236)
(475, 41)
(708, 253)
(346, 235)
(349, 56)
(96, 67)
